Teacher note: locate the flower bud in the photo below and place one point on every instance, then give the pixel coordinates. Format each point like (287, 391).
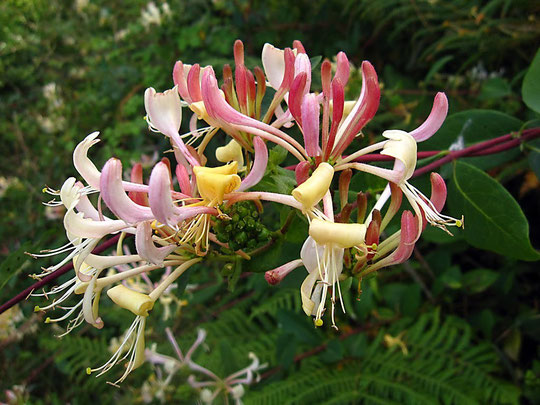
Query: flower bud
(231, 151)
(313, 189)
(343, 235)
(136, 302)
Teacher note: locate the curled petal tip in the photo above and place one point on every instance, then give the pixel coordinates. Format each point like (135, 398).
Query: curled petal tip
(435, 119)
(438, 191)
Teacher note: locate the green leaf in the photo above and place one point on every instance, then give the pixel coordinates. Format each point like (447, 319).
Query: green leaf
(334, 351)
(14, 264)
(298, 325)
(531, 85)
(438, 66)
(285, 350)
(495, 88)
(479, 280)
(493, 219)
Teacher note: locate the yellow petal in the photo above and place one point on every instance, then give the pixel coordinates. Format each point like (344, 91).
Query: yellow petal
(313, 189)
(134, 301)
(231, 151)
(214, 182)
(342, 235)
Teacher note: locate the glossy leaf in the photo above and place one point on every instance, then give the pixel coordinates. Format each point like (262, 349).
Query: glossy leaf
(531, 85)
(493, 219)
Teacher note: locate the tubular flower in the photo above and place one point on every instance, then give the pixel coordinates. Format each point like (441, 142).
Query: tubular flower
(322, 255)
(186, 212)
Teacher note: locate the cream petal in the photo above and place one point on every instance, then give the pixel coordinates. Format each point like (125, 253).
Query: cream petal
(83, 164)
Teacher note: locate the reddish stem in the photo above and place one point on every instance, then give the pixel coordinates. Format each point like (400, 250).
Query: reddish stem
(53, 276)
(487, 147)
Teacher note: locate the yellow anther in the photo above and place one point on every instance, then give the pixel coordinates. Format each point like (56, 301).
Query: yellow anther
(44, 190)
(88, 370)
(37, 308)
(459, 223)
(374, 246)
(318, 322)
(47, 320)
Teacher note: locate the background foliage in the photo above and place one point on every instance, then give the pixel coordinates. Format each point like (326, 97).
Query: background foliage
(465, 308)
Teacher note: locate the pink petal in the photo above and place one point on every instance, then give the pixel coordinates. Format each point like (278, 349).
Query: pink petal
(362, 112)
(438, 191)
(161, 203)
(302, 64)
(180, 72)
(338, 101)
(326, 77)
(276, 275)
(296, 94)
(259, 165)
(343, 69)
(238, 51)
(435, 119)
(298, 46)
(115, 197)
(159, 195)
(302, 171)
(137, 177)
(194, 84)
(409, 231)
(241, 86)
(183, 180)
(310, 110)
(288, 75)
(146, 248)
(438, 195)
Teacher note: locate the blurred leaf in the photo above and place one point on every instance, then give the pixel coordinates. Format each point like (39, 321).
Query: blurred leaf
(451, 277)
(14, 263)
(531, 85)
(277, 155)
(285, 350)
(437, 66)
(484, 321)
(495, 88)
(493, 219)
(512, 344)
(476, 281)
(334, 351)
(298, 325)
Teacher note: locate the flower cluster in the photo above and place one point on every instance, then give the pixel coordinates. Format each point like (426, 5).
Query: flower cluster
(180, 214)
(210, 386)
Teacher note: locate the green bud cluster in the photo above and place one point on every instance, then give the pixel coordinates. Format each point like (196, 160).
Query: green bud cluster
(243, 230)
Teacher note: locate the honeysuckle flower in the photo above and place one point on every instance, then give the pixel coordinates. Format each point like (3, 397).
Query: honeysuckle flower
(402, 146)
(165, 115)
(232, 384)
(234, 121)
(231, 151)
(312, 190)
(322, 255)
